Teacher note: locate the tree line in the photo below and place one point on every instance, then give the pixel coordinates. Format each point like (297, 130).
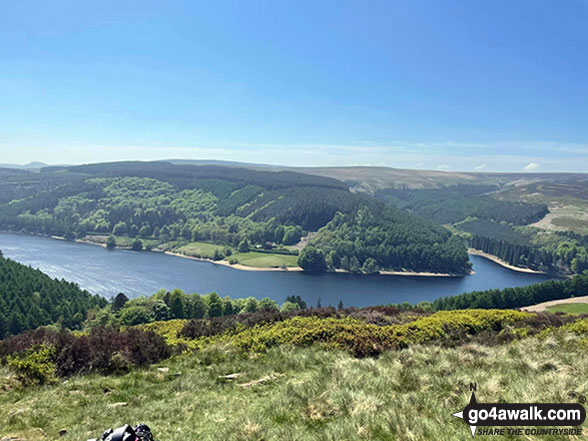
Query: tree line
(176, 304)
(518, 297)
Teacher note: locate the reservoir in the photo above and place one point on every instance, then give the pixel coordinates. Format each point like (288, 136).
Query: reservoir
(108, 272)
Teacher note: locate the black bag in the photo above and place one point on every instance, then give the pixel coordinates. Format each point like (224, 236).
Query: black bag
(141, 432)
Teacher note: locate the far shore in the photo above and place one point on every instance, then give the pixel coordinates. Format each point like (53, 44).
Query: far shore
(241, 267)
(501, 262)
(297, 268)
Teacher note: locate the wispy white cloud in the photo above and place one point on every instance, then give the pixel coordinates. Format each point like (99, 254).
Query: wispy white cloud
(455, 156)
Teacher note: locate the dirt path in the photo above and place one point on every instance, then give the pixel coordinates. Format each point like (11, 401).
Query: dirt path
(543, 306)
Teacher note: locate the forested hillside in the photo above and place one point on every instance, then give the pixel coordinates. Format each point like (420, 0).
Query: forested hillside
(448, 205)
(496, 225)
(529, 247)
(29, 299)
(182, 207)
(370, 240)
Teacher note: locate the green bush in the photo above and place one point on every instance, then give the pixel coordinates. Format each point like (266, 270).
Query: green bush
(34, 366)
(363, 339)
(579, 327)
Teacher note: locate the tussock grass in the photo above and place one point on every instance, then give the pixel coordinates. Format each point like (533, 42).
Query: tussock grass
(312, 393)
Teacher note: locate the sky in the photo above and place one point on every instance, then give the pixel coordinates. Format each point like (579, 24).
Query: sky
(486, 85)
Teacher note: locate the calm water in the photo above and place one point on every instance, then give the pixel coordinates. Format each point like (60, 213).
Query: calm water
(107, 272)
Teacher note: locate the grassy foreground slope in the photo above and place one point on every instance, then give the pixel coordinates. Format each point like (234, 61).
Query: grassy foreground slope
(297, 379)
(306, 394)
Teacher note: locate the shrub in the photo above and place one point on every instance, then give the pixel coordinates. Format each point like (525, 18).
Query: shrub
(35, 365)
(312, 259)
(136, 315)
(111, 242)
(137, 245)
(290, 307)
(217, 255)
(579, 327)
(353, 335)
(105, 350)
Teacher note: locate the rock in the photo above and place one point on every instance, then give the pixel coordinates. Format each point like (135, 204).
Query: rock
(16, 412)
(121, 404)
(232, 376)
(262, 380)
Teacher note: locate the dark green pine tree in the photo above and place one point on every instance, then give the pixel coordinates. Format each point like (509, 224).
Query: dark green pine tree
(3, 325)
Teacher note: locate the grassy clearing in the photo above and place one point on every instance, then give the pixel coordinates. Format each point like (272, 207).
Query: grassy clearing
(251, 258)
(266, 260)
(577, 225)
(569, 308)
(200, 249)
(308, 393)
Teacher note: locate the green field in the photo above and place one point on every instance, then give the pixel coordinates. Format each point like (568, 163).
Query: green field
(256, 259)
(570, 308)
(300, 394)
(200, 249)
(251, 258)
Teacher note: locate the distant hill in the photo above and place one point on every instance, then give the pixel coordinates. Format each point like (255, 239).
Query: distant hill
(29, 166)
(172, 205)
(222, 163)
(372, 179)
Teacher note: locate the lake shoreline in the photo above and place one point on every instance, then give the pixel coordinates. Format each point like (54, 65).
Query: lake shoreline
(241, 267)
(502, 263)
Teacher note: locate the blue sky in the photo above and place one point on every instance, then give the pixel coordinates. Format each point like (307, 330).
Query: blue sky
(492, 85)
